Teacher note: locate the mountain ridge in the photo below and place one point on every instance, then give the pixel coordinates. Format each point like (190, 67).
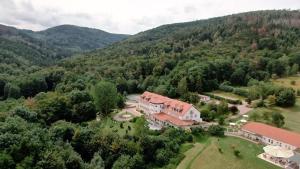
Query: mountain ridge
(52, 44)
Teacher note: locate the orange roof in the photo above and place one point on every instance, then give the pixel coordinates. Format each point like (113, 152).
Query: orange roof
(173, 120)
(159, 99)
(274, 133)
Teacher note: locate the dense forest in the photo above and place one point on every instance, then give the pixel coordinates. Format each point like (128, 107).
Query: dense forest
(177, 60)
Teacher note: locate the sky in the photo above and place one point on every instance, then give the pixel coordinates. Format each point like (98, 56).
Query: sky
(124, 16)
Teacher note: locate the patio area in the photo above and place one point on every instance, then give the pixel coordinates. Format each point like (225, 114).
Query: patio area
(279, 157)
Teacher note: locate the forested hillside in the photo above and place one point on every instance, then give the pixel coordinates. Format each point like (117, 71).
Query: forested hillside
(25, 47)
(199, 55)
(52, 123)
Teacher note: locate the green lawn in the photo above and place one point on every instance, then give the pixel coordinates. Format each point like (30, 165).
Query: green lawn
(227, 95)
(292, 115)
(111, 125)
(286, 82)
(208, 156)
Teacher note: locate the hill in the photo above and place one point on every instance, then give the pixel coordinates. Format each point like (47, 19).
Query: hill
(25, 47)
(53, 118)
(192, 57)
(204, 53)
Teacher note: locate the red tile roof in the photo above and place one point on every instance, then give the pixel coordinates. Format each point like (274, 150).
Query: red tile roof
(170, 103)
(167, 118)
(274, 133)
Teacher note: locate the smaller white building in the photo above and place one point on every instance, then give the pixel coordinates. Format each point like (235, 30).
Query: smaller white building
(270, 135)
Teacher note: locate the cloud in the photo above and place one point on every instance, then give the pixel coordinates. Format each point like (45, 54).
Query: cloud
(124, 16)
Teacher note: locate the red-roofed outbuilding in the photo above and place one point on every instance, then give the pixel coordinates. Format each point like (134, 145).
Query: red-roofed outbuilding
(271, 135)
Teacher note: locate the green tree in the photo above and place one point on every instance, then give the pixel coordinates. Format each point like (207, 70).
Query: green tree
(216, 130)
(96, 163)
(272, 100)
(207, 115)
(286, 98)
(182, 87)
(52, 107)
(106, 97)
(238, 77)
(2, 85)
(123, 162)
(294, 69)
(11, 91)
(6, 161)
(277, 119)
(222, 108)
(25, 114)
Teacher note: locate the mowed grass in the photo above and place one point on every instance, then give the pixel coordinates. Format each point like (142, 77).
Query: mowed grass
(227, 95)
(287, 82)
(190, 155)
(291, 114)
(208, 156)
(110, 125)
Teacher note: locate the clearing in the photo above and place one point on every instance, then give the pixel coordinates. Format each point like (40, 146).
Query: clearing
(227, 95)
(292, 81)
(292, 115)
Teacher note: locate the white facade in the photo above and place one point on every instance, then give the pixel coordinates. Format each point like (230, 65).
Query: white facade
(266, 140)
(149, 108)
(192, 114)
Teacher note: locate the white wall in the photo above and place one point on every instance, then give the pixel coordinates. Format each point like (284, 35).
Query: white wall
(268, 141)
(192, 114)
(149, 108)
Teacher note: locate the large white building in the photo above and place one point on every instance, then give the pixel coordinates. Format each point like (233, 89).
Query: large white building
(165, 111)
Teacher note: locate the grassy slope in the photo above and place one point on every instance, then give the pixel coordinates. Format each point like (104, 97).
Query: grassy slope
(292, 115)
(286, 82)
(209, 157)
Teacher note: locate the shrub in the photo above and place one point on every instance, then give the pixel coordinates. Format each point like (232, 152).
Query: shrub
(233, 109)
(237, 153)
(226, 88)
(277, 119)
(285, 98)
(293, 82)
(241, 92)
(220, 150)
(216, 130)
(207, 115)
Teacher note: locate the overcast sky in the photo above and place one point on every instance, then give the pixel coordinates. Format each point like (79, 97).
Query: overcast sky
(124, 16)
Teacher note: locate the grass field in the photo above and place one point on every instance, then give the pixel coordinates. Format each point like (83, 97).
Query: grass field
(108, 124)
(208, 156)
(287, 82)
(227, 95)
(292, 115)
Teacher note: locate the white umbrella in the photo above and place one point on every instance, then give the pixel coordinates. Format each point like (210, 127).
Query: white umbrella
(243, 121)
(277, 151)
